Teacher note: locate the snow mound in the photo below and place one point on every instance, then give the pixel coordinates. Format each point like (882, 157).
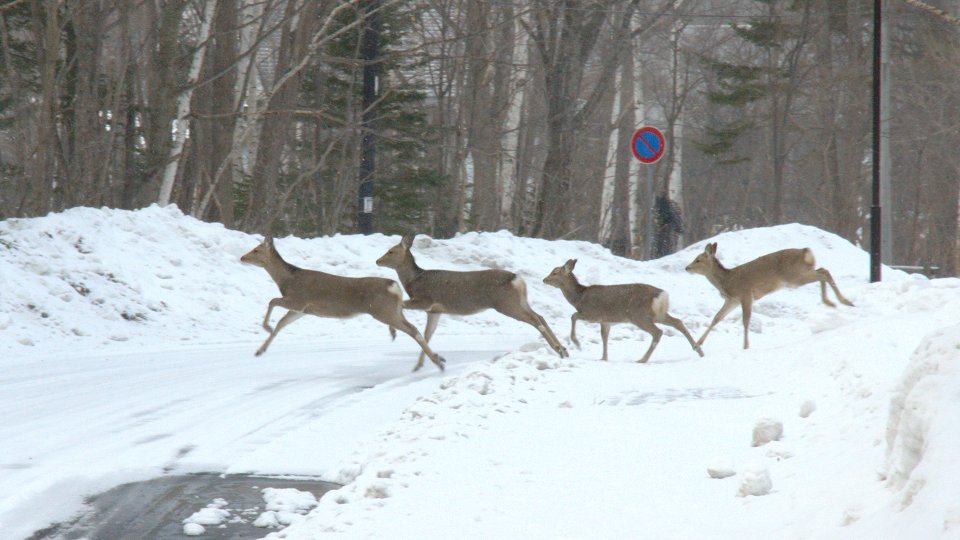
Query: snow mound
(922, 469)
(214, 514)
(923, 432)
(284, 507)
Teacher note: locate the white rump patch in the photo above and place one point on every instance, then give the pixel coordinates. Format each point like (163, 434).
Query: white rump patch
(661, 303)
(521, 287)
(808, 257)
(394, 289)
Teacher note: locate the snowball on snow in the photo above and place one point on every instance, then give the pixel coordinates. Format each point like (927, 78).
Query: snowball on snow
(721, 468)
(766, 430)
(193, 529)
(807, 408)
(755, 480)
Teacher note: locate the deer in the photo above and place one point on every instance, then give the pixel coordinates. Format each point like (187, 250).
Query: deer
(753, 280)
(638, 303)
(311, 292)
(463, 293)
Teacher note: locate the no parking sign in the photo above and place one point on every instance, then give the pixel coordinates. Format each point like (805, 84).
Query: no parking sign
(648, 144)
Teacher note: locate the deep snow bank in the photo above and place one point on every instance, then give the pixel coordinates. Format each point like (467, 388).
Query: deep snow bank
(923, 435)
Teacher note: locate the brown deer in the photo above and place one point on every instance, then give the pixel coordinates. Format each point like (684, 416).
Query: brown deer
(463, 293)
(310, 292)
(751, 281)
(637, 303)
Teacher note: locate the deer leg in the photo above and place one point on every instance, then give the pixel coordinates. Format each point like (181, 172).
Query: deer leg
(432, 320)
(276, 302)
(548, 334)
(411, 330)
(823, 294)
(676, 323)
(573, 328)
(604, 334)
(825, 278)
(524, 313)
(398, 321)
(746, 308)
(728, 304)
(651, 328)
(288, 318)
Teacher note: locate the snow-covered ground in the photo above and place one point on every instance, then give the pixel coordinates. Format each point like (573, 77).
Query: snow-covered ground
(126, 352)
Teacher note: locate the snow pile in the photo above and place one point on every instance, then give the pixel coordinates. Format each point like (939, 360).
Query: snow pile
(95, 277)
(284, 506)
(922, 469)
(214, 514)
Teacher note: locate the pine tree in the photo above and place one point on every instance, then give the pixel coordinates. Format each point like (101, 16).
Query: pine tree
(760, 95)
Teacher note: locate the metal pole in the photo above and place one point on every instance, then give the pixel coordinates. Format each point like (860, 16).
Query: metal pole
(875, 221)
(886, 169)
(368, 149)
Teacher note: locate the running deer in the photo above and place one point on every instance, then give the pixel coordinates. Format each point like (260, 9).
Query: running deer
(311, 292)
(637, 303)
(463, 293)
(751, 281)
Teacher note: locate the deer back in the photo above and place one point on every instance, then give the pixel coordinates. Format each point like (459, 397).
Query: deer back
(616, 303)
(331, 288)
(462, 292)
(773, 271)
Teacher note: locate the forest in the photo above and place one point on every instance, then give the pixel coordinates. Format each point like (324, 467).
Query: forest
(316, 117)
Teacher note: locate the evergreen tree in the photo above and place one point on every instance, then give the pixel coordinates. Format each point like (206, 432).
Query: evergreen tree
(760, 94)
(329, 152)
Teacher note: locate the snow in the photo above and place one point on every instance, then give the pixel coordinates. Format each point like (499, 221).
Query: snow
(126, 348)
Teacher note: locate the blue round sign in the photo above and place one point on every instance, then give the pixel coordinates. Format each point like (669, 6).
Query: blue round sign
(648, 144)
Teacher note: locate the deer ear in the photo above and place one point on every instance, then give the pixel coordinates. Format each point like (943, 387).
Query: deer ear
(407, 240)
(711, 248)
(268, 239)
(570, 264)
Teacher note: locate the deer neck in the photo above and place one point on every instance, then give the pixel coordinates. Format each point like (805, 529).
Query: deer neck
(572, 290)
(280, 270)
(408, 270)
(720, 277)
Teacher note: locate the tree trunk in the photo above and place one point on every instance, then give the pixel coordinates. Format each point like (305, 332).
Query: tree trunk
(262, 206)
(182, 120)
(47, 24)
(619, 241)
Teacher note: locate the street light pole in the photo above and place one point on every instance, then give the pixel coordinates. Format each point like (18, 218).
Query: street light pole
(875, 210)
